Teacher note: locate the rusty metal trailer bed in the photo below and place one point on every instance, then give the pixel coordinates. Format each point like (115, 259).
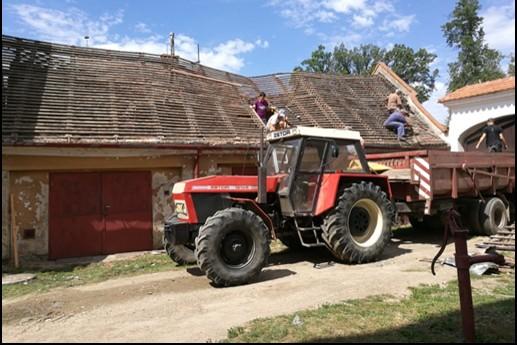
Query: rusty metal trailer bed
(434, 179)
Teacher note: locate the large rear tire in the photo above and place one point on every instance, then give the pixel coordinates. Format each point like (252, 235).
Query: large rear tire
(359, 227)
(494, 216)
(232, 246)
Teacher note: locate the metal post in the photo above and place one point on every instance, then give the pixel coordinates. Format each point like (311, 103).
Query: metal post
(465, 290)
(262, 195)
(171, 37)
(198, 61)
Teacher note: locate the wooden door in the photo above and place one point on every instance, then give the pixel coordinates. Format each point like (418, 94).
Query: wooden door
(99, 213)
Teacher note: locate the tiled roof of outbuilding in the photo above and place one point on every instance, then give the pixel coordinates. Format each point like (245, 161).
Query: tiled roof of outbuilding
(62, 94)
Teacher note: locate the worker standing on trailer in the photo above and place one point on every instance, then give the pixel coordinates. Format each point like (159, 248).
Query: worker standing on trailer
(261, 107)
(494, 137)
(393, 101)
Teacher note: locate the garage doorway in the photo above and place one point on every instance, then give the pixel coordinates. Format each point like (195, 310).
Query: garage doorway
(99, 213)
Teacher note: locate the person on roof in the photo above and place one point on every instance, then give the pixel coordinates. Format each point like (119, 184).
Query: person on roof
(394, 102)
(494, 137)
(261, 106)
(277, 121)
(397, 121)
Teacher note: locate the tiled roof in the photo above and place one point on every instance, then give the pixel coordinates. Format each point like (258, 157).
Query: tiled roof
(69, 95)
(480, 89)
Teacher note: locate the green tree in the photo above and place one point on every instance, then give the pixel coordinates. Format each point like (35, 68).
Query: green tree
(476, 61)
(511, 66)
(320, 61)
(413, 67)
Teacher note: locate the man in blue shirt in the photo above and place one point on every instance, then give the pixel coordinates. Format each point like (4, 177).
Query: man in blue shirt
(397, 121)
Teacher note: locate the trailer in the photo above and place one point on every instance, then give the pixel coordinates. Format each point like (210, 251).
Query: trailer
(425, 182)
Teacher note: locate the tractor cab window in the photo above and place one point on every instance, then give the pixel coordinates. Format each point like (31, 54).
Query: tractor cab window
(281, 157)
(343, 157)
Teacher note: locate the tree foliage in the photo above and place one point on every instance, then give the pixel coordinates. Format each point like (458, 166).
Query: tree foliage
(414, 67)
(476, 62)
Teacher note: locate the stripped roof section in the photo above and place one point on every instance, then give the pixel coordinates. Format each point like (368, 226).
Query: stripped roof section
(485, 88)
(55, 93)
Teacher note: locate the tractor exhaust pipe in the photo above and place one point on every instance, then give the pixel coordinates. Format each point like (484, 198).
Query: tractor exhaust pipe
(262, 195)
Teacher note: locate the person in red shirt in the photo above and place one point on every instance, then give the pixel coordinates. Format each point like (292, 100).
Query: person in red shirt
(261, 106)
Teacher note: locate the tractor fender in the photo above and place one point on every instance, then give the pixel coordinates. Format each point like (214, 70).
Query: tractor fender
(333, 184)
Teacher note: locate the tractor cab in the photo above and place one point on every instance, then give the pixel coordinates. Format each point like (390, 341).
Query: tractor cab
(304, 158)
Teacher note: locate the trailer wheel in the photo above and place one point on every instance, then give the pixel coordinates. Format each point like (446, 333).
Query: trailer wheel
(179, 253)
(359, 227)
(494, 216)
(232, 246)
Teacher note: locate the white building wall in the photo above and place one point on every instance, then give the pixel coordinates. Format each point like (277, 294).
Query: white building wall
(466, 113)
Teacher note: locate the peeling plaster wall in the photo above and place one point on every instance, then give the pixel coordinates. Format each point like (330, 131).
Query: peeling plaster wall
(6, 233)
(27, 177)
(210, 164)
(163, 180)
(31, 193)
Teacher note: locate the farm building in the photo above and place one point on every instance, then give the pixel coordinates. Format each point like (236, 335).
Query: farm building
(471, 106)
(93, 140)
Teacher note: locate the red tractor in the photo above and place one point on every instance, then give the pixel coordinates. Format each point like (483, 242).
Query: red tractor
(314, 189)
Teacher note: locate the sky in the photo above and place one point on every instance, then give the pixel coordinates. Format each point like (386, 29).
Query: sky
(252, 37)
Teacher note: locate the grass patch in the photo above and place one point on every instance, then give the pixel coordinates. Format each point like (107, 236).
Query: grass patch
(75, 275)
(429, 314)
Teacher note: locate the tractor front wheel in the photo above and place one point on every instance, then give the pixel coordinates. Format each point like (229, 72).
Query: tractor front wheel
(359, 227)
(179, 253)
(232, 246)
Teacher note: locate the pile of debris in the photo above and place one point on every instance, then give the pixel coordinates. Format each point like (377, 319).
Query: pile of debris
(503, 240)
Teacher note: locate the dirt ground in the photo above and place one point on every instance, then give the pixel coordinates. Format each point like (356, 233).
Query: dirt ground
(182, 306)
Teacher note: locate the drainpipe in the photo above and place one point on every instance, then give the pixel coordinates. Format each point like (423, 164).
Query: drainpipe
(196, 164)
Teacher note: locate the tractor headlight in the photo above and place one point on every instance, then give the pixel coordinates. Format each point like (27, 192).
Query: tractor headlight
(181, 209)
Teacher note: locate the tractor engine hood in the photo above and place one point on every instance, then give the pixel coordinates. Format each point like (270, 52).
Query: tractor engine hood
(197, 199)
(224, 184)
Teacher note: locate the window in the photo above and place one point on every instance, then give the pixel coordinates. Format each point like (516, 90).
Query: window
(345, 159)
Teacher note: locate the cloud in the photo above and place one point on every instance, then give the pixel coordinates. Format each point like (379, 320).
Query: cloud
(343, 17)
(70, 27)
(499, 27)
(401, 24)
(363, 21)
(143, 28)
(344, 6)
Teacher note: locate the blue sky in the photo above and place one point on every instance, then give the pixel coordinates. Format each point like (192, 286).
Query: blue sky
(255, 37)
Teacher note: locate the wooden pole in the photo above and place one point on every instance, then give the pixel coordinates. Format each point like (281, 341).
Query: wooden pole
(14, 247)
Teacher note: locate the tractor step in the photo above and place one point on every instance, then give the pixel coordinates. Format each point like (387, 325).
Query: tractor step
(314, 229)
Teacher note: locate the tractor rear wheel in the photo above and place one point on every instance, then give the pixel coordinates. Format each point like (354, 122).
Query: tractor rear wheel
(359, 227)
(232, 246)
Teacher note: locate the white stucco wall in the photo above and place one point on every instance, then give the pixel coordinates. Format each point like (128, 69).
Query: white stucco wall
(466, 113)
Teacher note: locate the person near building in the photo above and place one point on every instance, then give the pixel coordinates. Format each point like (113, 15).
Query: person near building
(494, 137)
(397, 121)
(277, 121)
(261, 106)
(393, 101)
